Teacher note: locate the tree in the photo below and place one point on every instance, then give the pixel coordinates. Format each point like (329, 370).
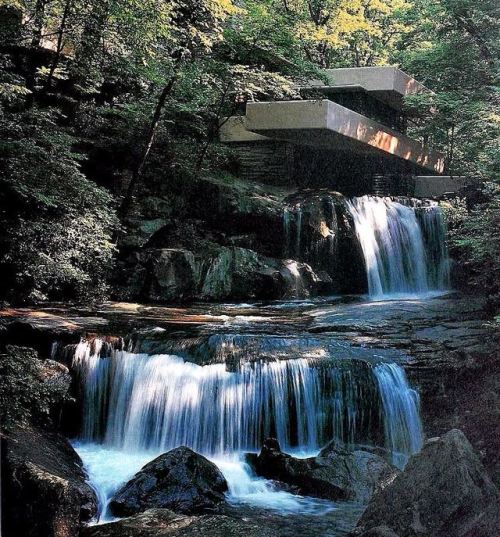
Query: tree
(58, 225)
(453, 49)
(440, 52)
(195, 25)
(341, 32)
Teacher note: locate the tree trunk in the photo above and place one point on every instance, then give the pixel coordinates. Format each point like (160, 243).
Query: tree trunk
(466, 23)
(137, 173)
(84, 70)
(38, 20)
(60, 44)
(214, 132)
(36, 41)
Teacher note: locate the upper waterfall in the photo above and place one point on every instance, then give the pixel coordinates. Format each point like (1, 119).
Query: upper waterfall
(403, 247)
(400, 244)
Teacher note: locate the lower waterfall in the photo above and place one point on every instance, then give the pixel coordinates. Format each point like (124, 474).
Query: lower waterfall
(136, 406)
(158, 402)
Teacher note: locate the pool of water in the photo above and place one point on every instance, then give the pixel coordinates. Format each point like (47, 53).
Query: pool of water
(109, 468)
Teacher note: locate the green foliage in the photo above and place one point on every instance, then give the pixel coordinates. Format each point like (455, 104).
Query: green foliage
(453, 50)
(25, 396)
(455, 212)
(58, 224)
(477, 241)
(82, 115)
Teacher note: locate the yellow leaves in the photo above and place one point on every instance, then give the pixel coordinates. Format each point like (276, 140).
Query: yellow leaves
(255, 83)
(349, 22)
(493, 118)
(344, 19)
(11, 3)
(308, 31)
(365, 28)
(222, 8)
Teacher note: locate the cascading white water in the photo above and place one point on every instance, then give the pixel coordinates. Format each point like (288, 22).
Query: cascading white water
(403, 246)
(403, 253)
(434, 232)
(137, 401)
(402, 427)
(136, 406)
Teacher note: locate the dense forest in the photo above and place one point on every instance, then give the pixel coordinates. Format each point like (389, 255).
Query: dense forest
(102, 101)
(189, 347)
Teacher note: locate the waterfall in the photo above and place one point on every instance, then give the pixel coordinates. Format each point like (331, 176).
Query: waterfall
(403, 247)
(402, 427)
(434, 234)
(157, 402)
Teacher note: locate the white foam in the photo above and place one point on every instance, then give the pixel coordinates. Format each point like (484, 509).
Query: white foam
(109, 468)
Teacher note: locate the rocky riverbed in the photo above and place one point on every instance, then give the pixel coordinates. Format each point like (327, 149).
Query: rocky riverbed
(445, 344)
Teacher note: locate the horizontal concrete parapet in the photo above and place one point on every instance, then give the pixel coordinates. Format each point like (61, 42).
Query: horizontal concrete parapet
(386, 78)
(328, 124)
(388, 83)
(430, 186)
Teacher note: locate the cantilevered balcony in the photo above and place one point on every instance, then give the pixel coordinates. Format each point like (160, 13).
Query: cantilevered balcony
(326, 124)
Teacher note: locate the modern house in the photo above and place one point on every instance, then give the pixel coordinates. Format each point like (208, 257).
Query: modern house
(349, 133)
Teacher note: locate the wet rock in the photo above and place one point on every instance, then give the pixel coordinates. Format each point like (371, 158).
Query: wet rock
(56, 377)
(214, 272)
(380, 531)
(180, 480)
(31, 390)
(327, 238)
(173, 274)
(141, 232)
(164, 523)
(444, 491)
(238, 207)
(39, 328)
(44, 492)
(335, 474)
(220, 205)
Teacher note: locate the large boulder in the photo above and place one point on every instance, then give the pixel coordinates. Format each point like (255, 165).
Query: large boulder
(336, 474)
(326, 238)
(180, 480)
(213, 272)
(237, 207)
(171, 273)
(44, 489)
(165, 523)
(443, 492)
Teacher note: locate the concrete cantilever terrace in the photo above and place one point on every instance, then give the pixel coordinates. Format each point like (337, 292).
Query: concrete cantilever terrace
(328, 124)
(387, 84)
(339, 128)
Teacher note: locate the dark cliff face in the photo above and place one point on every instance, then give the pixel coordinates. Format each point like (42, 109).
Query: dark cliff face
(228, 239)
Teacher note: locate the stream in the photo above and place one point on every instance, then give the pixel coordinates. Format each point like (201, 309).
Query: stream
(222, 378)
(240, 374)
